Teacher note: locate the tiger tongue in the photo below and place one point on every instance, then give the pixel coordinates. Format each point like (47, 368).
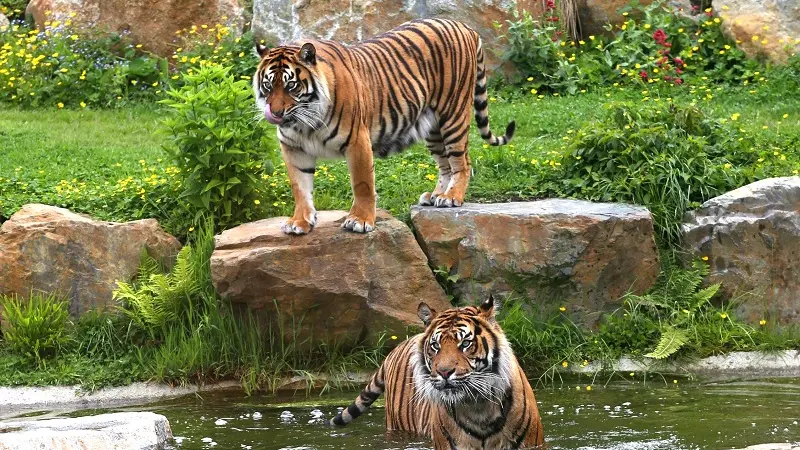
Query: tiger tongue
(270, 118)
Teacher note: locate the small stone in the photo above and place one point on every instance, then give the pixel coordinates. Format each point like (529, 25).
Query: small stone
(256, 415)
(220, 422)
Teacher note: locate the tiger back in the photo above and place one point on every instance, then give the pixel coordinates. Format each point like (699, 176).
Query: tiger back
(458, 382)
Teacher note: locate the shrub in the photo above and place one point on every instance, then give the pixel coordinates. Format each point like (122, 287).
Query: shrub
(218, 144)
(35, 328)
(667, 158)
(66, 67)
(13, 9)
(215, 45)
(654, 45)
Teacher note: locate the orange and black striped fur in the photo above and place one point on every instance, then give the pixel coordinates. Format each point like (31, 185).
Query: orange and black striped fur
(457, 382)
(420, 80)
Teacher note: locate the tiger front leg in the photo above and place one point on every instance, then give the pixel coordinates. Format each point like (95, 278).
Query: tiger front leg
(362, 178)
(300, 167)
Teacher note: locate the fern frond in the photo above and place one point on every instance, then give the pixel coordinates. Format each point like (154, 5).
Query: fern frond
(148, 266)
(671, 341)
(705, 295)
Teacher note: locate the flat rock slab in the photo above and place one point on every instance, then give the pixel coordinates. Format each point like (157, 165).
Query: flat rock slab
(774, 446)
(751, 237)
(52, 249)
(117, 431)
(330, 284)
(580, 254)
(757, 364)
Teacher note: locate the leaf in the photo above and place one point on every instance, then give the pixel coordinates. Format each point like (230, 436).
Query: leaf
(671, 341)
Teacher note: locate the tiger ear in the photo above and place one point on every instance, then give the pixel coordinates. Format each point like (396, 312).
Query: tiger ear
(488, 308)
(261, 49)
(308, 53)
(426, 313)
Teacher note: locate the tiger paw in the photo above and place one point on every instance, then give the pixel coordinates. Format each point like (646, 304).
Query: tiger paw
(447, 201)
(426, 199)
(358, 224)
(299, 226)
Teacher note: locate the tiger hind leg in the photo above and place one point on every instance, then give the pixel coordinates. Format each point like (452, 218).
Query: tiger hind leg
(455, 137)
(436, 147)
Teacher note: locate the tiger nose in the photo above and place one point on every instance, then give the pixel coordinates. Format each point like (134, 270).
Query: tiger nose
(445, 373)
(278, 113)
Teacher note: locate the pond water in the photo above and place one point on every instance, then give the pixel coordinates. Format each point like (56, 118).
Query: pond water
(621, 415)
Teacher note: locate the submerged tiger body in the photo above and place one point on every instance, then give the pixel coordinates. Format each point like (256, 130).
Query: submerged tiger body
(419, 81)
(458, 382)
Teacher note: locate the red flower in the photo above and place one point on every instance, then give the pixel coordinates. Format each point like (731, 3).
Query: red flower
(667, 77)
(551, 4)
(709, 13)
(660, 36)
(678, 70)
(678, 61)
(643, 74)
(678, 80)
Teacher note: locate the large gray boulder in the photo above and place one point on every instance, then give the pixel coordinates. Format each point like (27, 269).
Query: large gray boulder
(751, 237)
(117, 431)
(4, 23)
(349, 21)
(54, 250)
(571, 253)
(330, 284)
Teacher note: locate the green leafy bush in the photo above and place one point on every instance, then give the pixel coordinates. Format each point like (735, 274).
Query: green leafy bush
(35, 328)
(668, 158)
(215, 45)
(13, 9)
(62, 66)
(218, 145)
(654, 45)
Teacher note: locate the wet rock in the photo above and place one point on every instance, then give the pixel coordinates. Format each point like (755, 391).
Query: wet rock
(278, 21)
(52, 249)
(774, 446)
(554, 252)
(751, 237)
(117, 431)
(150, 23)
(331, 285)
(769, 28)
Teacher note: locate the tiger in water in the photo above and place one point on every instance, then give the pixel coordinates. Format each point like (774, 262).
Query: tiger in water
(457, 382)
(420, 80)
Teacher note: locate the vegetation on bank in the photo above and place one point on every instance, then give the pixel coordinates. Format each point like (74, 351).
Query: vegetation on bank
(667, 113)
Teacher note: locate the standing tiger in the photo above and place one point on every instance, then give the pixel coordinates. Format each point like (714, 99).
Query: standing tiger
(417, 81)
(458, 382)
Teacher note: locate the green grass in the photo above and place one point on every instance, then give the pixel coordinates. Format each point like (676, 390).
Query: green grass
(88, 151)
(103, 162)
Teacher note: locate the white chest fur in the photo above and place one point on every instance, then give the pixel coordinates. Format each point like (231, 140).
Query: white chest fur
(312, 142)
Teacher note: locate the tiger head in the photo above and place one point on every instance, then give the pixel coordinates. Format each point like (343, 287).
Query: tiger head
(463, 354)
(289, 86)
